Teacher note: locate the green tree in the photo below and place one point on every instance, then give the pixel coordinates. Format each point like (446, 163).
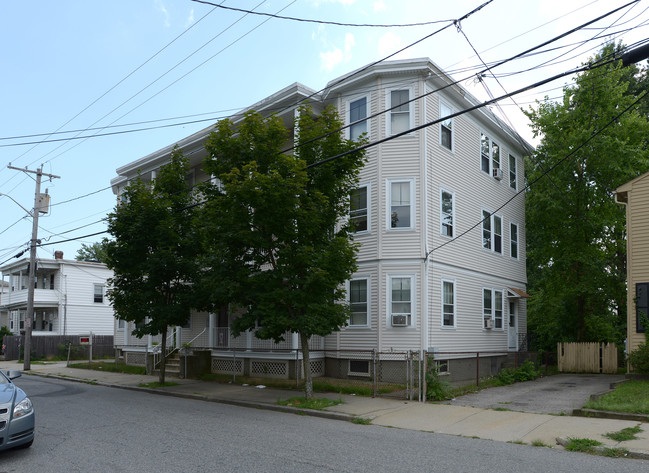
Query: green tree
(153, 253)
(576, 246)
(93, 252)
(277, 244)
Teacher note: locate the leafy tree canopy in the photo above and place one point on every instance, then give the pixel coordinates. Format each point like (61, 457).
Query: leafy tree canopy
(154, 252)
(276, 239)
(93, 252)
(576, 246)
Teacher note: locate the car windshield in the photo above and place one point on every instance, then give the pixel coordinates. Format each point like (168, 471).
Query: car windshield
(3, 378)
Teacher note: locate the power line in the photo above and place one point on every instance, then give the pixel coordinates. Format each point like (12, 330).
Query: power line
(127, 76)
(321, 22)
(546, 172)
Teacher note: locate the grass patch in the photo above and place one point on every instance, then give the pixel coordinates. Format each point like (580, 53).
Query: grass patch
(315, 403)
(582, 445)
(157, 384)
(501, 409)
(110, 366)
(517, 442)
(624, 434)
(614, 452)
(320, 385)
(540, 443)
(361, 421)
(631, 396)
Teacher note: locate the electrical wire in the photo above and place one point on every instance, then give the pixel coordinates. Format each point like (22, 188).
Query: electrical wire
(321, 22)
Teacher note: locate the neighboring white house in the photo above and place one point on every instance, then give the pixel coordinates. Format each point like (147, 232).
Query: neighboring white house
(69, 297)
(441, 267)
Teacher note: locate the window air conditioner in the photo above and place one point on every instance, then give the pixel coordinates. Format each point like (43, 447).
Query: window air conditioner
(399, 320)
(497, 173)
(489, 324)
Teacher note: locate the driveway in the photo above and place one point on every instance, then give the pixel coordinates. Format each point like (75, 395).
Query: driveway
(547, 395)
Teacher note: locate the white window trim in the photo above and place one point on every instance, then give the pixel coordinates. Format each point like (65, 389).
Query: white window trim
(347, 105)
(368, 186)
(493, 309)
(368, 324)
(509, 183)
(518, 240)
(413, 287)
(103, 293)
(493, 231)
(441, 212)
(482, 132)
(452, 111)
(442, 325)
(358, 373)
(388, 105)
(388, 210)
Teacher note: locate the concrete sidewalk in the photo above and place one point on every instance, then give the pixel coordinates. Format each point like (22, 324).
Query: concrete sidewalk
(504, 426)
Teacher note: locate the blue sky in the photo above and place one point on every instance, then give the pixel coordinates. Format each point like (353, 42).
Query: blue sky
(74, 64)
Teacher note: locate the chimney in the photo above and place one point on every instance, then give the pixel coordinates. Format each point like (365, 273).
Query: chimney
(58, 255)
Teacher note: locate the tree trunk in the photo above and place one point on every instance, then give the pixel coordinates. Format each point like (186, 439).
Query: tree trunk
(306, 363)
(163, 357)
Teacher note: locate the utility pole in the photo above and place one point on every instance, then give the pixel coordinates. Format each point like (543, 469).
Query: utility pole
(38, 208)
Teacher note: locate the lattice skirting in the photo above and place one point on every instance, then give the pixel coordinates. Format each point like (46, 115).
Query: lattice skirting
(269, 369)
(227, 366)
(317, 367)
(135, 359)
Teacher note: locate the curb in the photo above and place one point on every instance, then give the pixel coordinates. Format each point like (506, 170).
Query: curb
(601, 449)
(201, 397)
(610, 415)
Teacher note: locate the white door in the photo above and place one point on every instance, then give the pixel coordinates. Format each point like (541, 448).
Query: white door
(512, 329)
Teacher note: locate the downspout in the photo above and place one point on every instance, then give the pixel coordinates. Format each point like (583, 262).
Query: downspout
(425, 339)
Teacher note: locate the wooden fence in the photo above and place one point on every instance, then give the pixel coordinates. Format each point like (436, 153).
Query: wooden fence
(50, 346)
(587, 357)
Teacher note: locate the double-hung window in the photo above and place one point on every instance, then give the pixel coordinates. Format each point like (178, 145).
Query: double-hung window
(399, 117)
(513, 240)
(358, 209)
(512, 172)
(492, 232)
(99, 293)
(485, 152)
(489, 154)
(445, 127)
(401, 205)
(495, 156)
(357, 118)
(447, 214)
(492, 308)
(448, 304)
(358, 289)
(400, 300)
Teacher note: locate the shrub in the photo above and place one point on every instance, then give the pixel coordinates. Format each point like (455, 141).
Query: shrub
(639, 359)
(436, 389)
(526, 372)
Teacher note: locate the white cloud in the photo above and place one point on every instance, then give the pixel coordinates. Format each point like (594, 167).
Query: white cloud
(190, 18)
(330, 59)
(161, 7)
(379, 6)
(388, 44)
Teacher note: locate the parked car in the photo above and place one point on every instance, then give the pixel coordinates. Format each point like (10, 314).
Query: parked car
(17, 419)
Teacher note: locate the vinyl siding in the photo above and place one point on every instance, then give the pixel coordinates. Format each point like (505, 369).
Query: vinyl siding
(638, 252)
(83, 315)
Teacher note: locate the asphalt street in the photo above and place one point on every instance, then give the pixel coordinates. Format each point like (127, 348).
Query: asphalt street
(91, 428)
